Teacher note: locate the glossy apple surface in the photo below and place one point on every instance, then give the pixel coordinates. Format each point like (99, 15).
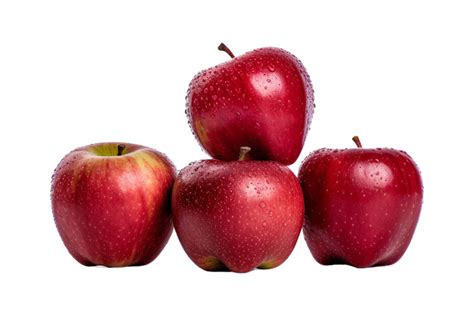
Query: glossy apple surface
(111, 203)
(238, 215)
(361, 205)
(262, 99)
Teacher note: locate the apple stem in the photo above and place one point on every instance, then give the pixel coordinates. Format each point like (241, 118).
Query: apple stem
(243, 152)
(224, 48)
(120, 149)
(357, 141)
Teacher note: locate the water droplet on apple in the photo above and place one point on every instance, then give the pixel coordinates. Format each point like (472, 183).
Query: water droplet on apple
(238, 113)
(264, 224)
(271, 68)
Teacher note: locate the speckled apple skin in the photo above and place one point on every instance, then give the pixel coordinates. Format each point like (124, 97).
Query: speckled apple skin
(361, 205)
(237, 215)
(262, 99)
(113, 211)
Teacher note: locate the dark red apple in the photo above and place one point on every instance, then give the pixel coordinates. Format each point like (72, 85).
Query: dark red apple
(237, 215)
(111, 203)
(361, 205)
(262, 99)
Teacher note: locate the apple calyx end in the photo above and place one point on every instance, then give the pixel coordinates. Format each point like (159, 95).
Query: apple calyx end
(357, 141)
(222, 47)
(120, 149)
(243, 154)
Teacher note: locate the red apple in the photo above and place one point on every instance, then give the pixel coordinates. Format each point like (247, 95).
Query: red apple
(362, 205)
(262, 99)
(237, 215)
(111, 203)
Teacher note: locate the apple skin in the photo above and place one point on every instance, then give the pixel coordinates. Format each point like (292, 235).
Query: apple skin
(238, 215)
(262, 99)
(113, 210)
(361, 205)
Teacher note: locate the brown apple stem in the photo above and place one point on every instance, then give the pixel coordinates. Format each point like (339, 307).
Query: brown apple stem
(357, 141)
(224, 48)
(243, 153)
(120, 149)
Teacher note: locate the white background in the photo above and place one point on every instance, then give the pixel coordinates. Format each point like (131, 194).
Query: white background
(397, 73)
